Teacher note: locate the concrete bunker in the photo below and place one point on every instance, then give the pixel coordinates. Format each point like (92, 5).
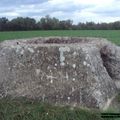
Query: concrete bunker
(58, 70)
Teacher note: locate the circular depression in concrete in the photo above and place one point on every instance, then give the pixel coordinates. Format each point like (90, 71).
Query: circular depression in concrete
(58, 40)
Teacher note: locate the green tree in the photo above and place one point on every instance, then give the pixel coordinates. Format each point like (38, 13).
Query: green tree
(21, 23)
(3, 24)
(48, 23)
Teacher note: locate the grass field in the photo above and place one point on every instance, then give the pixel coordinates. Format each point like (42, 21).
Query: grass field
(112, 35)
(28, 110)
(24, 109)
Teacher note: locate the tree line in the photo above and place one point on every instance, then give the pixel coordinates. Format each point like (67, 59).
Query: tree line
(52, 23)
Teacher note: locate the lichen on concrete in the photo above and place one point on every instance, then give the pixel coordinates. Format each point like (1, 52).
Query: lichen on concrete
(62, 57)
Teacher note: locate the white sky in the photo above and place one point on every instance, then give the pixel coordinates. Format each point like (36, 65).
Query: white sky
(77, 10)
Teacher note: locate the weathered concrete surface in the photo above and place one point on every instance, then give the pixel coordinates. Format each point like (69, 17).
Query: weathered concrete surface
(62, 71)
(111, 60)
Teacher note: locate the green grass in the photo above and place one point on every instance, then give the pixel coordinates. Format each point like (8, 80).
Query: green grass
(28, 110)
(24, 109)
(112, 35)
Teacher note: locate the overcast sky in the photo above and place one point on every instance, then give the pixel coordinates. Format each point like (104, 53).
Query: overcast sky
(77, 10)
